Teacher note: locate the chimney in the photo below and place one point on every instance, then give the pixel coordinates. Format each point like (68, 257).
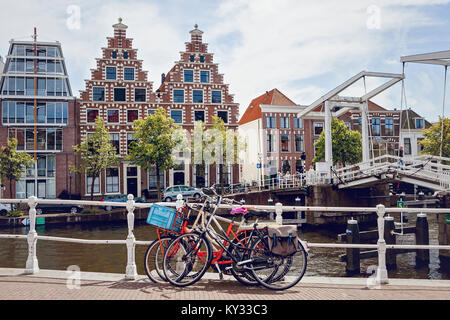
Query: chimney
(163, 77)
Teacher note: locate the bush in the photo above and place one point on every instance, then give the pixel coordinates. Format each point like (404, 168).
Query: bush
(90, 211)
(15, 213)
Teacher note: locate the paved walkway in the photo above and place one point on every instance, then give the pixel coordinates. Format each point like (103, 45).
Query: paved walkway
(54, 285)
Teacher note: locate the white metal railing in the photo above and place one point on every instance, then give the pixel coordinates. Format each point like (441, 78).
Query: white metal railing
(32, 265)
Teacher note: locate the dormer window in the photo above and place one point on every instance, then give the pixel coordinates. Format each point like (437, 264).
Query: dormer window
(202, 59)
(191, 58)
(419, 123)
(125, 55)
(114, 54)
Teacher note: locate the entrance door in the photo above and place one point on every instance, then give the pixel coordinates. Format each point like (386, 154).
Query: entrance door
(178, 178)
(132, 185)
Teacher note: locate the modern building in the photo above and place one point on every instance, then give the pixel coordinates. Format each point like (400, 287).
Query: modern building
(194, 90)
(38, 109)
(118, 92)
(412, 132)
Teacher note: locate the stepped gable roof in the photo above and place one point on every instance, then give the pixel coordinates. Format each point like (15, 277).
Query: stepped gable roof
(274, 96)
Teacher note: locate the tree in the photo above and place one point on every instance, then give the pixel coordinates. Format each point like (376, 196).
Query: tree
(433, 139)
(12, 163)
(153, 144)
(347, 144)
(96, 153)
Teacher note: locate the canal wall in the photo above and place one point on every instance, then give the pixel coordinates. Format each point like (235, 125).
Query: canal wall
(70, 218)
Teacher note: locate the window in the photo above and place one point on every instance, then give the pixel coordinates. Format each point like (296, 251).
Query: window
(407, 145)
(111, 73)
(204, 76)
(419, 145)
(132, 115)
(197, 96)
(216, 96)
(347, 125)
(270, 122)
(419, 123)
(178, 96)
(191, 58)
(112, 180)
(89, 187)
(188, 75)
(114, 137)
(92, 115)
(119, 94)
(299, 145)
(30, 112)
(389, 126)
(98, 94)
(51, 52)
(177, 116)
(128, 74)
(130, 140)
(270, 143)
(114, 54)
(284, 122)
(223, 115)
(29, 86)
(151, 111)
(51, 87)
(152, 178)
(113, 115)
(199, 115)
(376, 127)
(20, 86)
(12, 112)
(20, 112)
(5, 112)
(29, 64)
(284, 142)
(140, 95)
(58, 113)
(298, 123)
(202, 59)
(41, 112)
(125, 55)
(318, 128)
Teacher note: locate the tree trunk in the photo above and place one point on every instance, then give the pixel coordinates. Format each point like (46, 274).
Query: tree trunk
(92, 187)
(221, 178)
(158, 182)
(10, 188)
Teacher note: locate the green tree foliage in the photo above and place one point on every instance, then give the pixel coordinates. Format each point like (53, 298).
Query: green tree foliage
(347, 144)
(96, 153)
(433, 138)
(155, 140)
(12, 163)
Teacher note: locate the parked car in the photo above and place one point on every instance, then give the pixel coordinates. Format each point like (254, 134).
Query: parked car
(170, 194)
(118, 198)
(57, 208)
(4, 209)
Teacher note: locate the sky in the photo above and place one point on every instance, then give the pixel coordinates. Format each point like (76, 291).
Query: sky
(302, 48)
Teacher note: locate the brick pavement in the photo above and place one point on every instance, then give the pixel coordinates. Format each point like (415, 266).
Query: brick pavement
(29, 287)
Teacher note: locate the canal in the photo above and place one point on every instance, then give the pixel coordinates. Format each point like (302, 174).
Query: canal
(113, 258)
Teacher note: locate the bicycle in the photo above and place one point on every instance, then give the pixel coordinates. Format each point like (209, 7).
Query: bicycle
(190, 255)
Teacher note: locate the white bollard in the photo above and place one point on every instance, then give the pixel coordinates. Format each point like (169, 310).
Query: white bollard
(131, 270)
(180, 201)
(32, 265)
(382, 275)
(279, 212)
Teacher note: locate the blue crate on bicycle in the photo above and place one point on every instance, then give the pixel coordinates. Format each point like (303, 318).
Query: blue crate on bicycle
(164, 217)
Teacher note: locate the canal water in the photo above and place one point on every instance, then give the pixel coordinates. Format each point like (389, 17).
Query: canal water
(113, 258)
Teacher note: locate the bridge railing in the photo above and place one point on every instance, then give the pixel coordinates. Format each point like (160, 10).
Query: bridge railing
(32, 264)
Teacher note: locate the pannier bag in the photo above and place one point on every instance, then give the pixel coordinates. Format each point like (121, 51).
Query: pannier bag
(283, 239)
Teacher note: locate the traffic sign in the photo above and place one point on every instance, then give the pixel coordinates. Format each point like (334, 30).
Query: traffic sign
(447, 218)
(39, 221)
(400, 204)
(258, 165)
(26, 222)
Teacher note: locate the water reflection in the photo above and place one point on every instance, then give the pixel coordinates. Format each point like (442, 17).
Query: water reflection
(113, 258)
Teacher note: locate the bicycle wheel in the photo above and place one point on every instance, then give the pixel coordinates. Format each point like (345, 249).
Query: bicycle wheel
(277, 272)
(186, 259)
(240, 273)
(154, 257)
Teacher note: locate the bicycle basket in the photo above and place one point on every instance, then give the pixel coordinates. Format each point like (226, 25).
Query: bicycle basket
(166, 218)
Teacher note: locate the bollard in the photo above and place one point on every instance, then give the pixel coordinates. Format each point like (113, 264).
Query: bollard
(180, 201)
(353, 258)
(422, 238)
(389, 237)
(279, 212)
(131, 270)
(381, 275)
(32, 265)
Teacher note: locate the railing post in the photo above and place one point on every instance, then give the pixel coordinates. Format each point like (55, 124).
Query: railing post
(180, 201)
(382, 275)
(131, 270)
(279, 212)
(32, 265)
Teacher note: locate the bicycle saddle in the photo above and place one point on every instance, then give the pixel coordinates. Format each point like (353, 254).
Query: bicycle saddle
(240, 210)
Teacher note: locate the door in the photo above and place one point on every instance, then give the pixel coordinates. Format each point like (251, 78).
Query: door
(178, 178)
(132, 185)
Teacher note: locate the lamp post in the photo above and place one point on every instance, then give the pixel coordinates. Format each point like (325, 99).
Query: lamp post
(70, 185)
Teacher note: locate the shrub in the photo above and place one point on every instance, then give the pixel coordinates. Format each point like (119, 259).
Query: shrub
(90, 211)
(15, 213)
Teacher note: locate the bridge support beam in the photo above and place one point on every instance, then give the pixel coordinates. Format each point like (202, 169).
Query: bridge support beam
(328, 136)
(365, 133)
